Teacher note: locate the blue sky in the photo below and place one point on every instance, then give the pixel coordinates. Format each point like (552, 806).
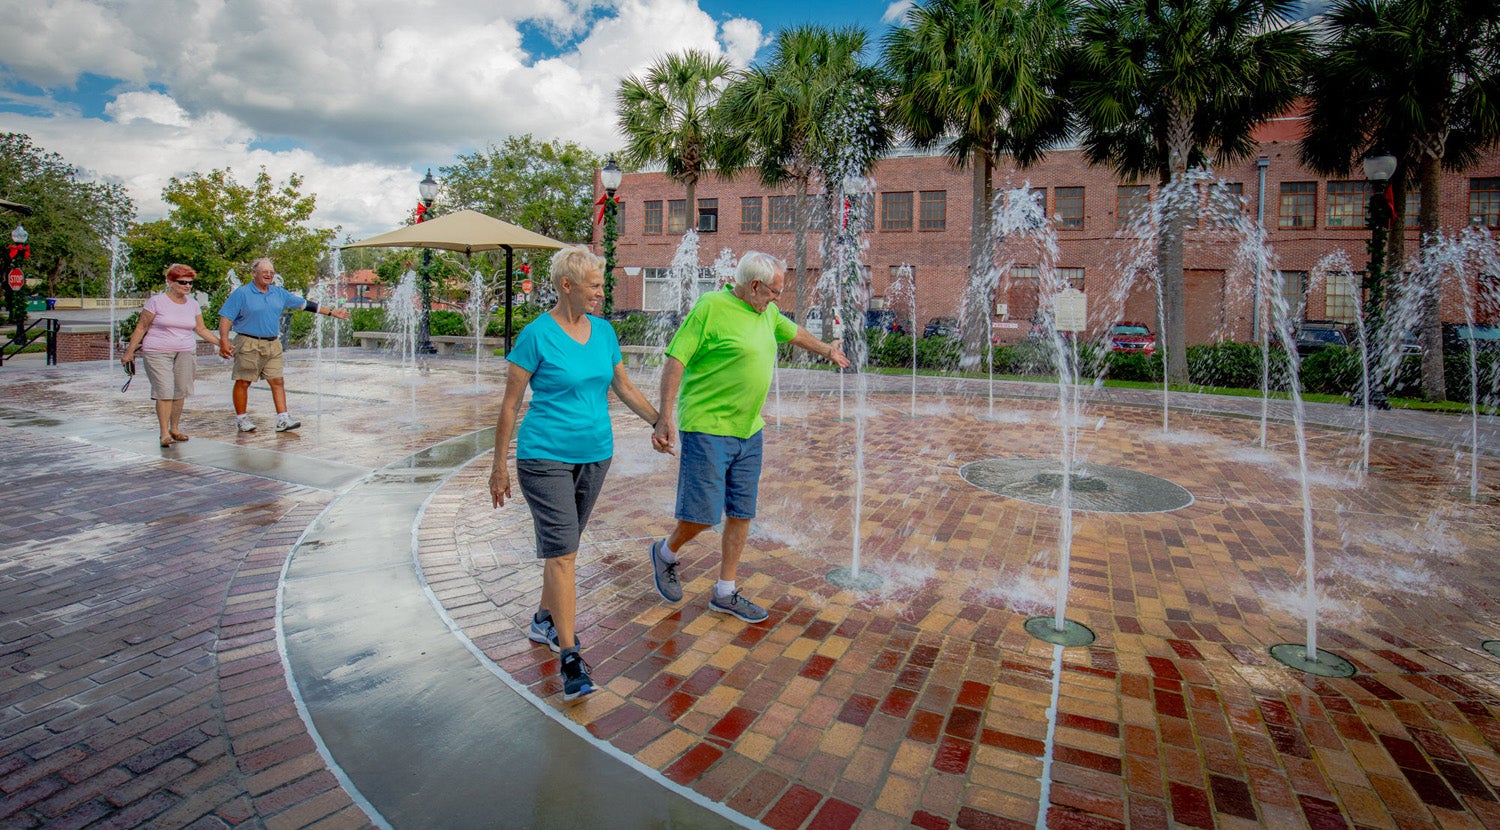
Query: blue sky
(358, 104)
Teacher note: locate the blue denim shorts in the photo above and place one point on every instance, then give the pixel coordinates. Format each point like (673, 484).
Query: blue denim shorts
(718, 474)
(561, 497)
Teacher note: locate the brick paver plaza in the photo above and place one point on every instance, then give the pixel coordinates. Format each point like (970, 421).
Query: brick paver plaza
(145, 683)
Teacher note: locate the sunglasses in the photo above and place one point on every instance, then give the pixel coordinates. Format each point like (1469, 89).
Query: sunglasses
(183, 282)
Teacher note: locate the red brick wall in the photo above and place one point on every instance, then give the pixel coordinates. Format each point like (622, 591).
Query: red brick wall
(1218, 307)
(74, 347)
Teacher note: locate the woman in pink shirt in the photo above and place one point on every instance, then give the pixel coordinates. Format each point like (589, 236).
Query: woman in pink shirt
(165, 337)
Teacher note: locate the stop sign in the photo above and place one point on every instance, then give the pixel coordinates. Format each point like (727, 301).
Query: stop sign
(16, 279)
(526, 286)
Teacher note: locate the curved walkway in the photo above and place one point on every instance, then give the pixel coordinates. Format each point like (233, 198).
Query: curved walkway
(147, 684)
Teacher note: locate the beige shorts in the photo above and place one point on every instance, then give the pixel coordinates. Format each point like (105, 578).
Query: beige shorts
(255, 359)
(170, 373)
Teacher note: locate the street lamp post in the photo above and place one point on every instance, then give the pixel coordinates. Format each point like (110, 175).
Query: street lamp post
(427, 189)
(610, 177)
(1378, 169)
(15, 284)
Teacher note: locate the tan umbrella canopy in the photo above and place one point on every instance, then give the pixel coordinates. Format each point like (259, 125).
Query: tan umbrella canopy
(7, 204)
(468, 232)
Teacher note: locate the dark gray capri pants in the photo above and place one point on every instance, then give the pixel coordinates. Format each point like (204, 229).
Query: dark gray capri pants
(561, 497)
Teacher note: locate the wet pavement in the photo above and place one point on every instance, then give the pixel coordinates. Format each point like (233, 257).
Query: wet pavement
(174, 619)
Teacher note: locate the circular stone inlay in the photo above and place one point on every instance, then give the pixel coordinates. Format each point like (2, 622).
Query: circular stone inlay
(1096, 488)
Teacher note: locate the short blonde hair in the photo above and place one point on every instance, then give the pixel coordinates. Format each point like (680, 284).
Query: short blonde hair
(572, 262)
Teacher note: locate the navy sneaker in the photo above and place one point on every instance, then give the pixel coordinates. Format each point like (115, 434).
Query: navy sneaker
(545, 632)
(738, 606)
(575, 674)
(664, 573)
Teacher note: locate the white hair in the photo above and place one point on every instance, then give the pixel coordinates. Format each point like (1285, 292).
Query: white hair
(755, 265)
(572, 262)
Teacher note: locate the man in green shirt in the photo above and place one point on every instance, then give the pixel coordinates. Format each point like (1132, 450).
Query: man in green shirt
(721, 360)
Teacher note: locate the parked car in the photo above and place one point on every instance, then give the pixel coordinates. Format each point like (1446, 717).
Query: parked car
(813, 322)
(941, 327)
(1411, 342)
(884, 320)
(1127, 336)
(1317, 335)
(1458, 338)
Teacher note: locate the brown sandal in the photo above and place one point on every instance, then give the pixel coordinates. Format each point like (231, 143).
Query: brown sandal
(179, 436)
(166, 442)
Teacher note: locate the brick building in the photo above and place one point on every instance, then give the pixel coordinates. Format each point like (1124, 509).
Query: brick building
(920, 217)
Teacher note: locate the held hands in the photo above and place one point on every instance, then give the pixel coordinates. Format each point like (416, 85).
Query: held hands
(226, 348)
(663, 436)
(499, 485)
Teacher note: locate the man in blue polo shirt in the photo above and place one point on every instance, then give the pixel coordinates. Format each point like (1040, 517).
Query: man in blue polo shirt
(254, 311)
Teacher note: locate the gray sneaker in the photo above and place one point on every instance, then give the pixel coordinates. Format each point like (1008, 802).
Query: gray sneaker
(286, 423)
(738, 606)
(664, 573)
(545, 632)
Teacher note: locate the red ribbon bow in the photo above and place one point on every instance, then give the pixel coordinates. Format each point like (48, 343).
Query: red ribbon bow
(526, 269)
(23, 250)
(599, 203)
(421, 210)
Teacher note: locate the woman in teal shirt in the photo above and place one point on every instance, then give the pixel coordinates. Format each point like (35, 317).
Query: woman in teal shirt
(571, 360)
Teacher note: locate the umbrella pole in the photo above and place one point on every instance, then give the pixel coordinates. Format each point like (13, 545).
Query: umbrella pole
(509, 262)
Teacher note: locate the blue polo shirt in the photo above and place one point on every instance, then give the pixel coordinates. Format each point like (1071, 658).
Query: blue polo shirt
(257, 312)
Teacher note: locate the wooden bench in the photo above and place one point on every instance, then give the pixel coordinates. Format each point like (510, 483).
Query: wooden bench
(639, 357)
(444, 343)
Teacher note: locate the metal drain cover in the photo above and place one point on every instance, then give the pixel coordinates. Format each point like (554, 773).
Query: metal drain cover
(1097, 488)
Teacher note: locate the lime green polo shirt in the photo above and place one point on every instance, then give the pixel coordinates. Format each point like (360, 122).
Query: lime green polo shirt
(728, 351)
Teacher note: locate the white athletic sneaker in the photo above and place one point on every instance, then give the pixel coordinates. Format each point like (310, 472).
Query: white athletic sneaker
(244, 423)
(285, 422)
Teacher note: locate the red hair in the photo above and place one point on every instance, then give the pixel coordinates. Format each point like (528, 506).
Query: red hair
(179, 271)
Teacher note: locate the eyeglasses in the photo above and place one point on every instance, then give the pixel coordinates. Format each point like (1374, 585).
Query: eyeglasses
(183, 282)
(773, 292)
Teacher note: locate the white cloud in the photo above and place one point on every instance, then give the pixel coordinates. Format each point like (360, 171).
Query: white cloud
(895, 13)
(367, 93)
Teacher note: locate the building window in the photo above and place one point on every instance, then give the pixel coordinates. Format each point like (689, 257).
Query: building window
(783, 211)
(1039, 195)
(934, 211)
(659, 287)
(620, 218)
(1069, 206)
(1293, 293)
(676, 215)
(1346, 205)
(863, 207)
(1221, 202)
(750, 214)
(1342, 296)
(651, 223)
(1413, 209)
(1299, 205)
(1484, 201)
(1071, 277)
(708, 215)
(895, 211)
(1132, 203)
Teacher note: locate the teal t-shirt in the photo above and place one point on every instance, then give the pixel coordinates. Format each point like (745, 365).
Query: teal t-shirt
(728, 351)
(568, 420)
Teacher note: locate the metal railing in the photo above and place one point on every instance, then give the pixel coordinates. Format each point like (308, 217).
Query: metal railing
(25, 337)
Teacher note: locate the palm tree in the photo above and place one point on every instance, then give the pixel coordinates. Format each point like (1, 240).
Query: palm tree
(667, 118)
(785, 118)
(982, 76)
(1164, 85)
(1419, 79)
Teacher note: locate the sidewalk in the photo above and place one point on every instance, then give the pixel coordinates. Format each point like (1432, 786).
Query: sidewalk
(173, 619)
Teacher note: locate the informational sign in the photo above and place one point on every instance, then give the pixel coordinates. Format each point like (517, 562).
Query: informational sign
(1071, 310)
(17, 280)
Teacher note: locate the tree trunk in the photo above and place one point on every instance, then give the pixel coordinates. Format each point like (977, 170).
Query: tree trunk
(1169, 255)
(689, 278)
(1434, 387)
(976, 304)
(799, 222)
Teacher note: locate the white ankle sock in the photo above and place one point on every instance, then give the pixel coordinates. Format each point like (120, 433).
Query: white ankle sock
(723, 588)
(667, 554)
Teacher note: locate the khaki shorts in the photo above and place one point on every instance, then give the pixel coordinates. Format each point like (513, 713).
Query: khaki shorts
(170, 373)
(255, 359)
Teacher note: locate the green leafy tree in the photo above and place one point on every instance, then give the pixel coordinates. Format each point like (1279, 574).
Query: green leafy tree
(216, 223)
(786, 118)
(667, 117)
(73, 219)
(1165, 85)
(985, 79)
(1419, 79)
(543, 186)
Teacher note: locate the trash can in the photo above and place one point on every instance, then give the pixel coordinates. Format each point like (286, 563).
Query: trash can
(35, 304)
(51, 303)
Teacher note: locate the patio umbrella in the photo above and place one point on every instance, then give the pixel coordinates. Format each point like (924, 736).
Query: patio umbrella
(468, 232)
(7, 204)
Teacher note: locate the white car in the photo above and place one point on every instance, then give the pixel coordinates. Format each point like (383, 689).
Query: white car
(814, 323)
